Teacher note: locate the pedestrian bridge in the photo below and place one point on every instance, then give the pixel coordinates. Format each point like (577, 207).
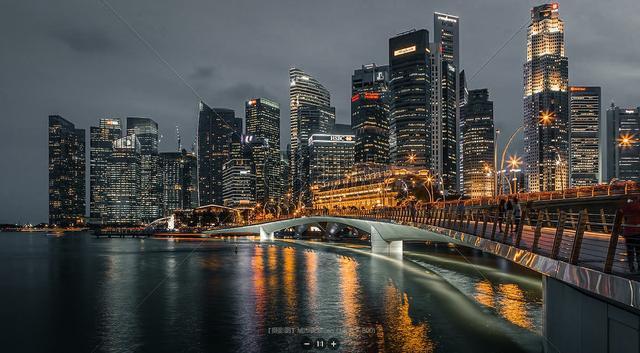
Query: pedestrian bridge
(584, 303)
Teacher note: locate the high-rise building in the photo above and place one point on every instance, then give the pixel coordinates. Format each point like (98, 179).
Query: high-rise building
(410, 99)
(331, 157)
(479, 144)
(123, 173)
(179, 181)
(463, 96)
(445, 110)
(239, 183)
(370, 114)
(146, 131)
(66, 173)
(584, 132)
(263, 130)
(101, 147)
(546, 102)
(219, 134)
(621, 144)
(311, 113)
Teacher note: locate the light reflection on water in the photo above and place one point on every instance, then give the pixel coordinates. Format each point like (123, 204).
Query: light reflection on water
(204, 297)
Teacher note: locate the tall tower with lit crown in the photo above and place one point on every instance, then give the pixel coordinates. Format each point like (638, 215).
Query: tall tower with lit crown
(546, 102)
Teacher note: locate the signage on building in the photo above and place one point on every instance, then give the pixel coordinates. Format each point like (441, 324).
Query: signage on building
(406, 50)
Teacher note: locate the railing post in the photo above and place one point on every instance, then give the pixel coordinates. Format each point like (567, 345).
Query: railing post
(484, 223)
(557, 240)
(538, 231)
(603, 219)
(577, 239)
(613, 241)
(495, 224)
(475, 223)
(468, 215)
(525, 213)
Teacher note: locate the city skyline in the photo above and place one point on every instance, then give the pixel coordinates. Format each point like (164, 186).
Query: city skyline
(341, 99)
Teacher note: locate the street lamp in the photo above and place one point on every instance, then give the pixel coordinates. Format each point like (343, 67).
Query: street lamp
(547, 117)
(626, 140)
(412, 158)
(514, 164)
(504, 154)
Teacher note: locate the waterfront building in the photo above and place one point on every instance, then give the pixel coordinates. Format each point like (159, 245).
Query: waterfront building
(239, 183)
(410, 99)
(546, 102)
(219, 138)
(463, 96)
(370, 114)
(66, 173)
(146, 131)
(263, 138)
(124, 172)
(101, 146)
(445, 110)
(179, 181)
(584, 122)
(479, 144)
(621, 144)
(331, 157)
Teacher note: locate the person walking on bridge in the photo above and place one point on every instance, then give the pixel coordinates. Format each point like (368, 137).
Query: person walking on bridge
(517, 215)
(501, 210)
(631, 232)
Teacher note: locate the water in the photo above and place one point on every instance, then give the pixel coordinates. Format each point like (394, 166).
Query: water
(76, 293)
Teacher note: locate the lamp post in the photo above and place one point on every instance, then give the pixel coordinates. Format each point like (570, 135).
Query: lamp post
(495, 161)
(514, 164)
(504, 153)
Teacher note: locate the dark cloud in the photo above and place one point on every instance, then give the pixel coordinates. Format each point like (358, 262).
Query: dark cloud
(77, 59)
(89, 40)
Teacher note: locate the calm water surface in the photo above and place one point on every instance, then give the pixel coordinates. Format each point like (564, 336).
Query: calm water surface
(76, 293)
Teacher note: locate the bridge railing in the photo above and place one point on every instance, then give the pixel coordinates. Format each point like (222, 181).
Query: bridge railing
(585, 237)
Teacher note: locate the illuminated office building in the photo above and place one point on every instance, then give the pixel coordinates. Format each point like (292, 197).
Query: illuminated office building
(445, 107)
(546, 102)
(330, 157)
(219, 134)
(263, 130)
(410, 99)
(479, 144)
(311, 113)
(179, 181)
(66, 173)
(621, 144)
(239, 183)
(146, 131)
(123, 173)
(584, 122)
(370, 114)
(463, 96)
(101, 146)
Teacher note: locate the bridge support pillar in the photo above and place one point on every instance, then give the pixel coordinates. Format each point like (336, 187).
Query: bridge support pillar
(264, 236)
(381, 246)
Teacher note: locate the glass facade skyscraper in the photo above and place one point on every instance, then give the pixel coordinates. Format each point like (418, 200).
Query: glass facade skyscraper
(101, 147)
(584, 122)
(146, 131)
(311, 113)
(67, 174)
(331, 157)
(479, 144)
(546, 102)
(239, 183)
(370, 114)
(179, 181)
(410, 99)
(219, 133)
(621, 144)
(123, 174)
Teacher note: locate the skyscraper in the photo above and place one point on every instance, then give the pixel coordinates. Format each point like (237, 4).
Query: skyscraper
(584, 122)
(331, 157)
(66, 173)
(479, 144)
(370, 114)
(546, 102)
(239, 183)
(263, 126)
(311, 113)
(219, 133)
(123, 173)
(179, 181)
(621, 144)
(445, 51)
(410, 99)
(146, 131)
(101, 147)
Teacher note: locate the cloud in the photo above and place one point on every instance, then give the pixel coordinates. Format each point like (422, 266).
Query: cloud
(86, 40)
(204, 73)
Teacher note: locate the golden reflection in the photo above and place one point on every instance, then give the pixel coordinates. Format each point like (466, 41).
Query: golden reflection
(512, 305)
(401, 333)
(259, 285)
(349, 291)
(485, 294)
(289, 279)
(311, 277)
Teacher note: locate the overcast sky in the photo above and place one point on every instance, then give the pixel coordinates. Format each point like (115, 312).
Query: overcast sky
(76, 59)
